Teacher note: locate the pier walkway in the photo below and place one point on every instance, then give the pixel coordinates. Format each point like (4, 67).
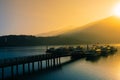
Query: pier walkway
(51, 60)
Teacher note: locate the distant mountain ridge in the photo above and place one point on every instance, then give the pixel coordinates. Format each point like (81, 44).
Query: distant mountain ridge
(106, 30)
(56, 31)
(102, 31)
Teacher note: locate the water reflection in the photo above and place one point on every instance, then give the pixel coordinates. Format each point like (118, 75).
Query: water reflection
(97, 58)
(104, 67)
(93, 59)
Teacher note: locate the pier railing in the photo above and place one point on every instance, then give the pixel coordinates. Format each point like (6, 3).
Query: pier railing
(51, 60)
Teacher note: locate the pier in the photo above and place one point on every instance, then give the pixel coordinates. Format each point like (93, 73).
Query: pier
(52, 59)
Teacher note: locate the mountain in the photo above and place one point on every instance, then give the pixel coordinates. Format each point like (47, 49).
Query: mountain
(56, 32)
(102, 31)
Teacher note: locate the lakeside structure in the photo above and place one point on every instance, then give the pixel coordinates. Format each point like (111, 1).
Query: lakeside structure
(52, 58)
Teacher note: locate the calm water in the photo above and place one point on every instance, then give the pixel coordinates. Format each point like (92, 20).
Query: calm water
(102, 68)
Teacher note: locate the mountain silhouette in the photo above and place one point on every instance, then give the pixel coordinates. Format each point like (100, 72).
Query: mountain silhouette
(56, 32)
(103, 31)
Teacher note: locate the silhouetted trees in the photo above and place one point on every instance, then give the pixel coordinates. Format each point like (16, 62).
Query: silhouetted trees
(29, 40)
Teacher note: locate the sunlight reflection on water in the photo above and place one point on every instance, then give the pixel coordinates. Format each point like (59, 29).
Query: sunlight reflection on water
(101, 68)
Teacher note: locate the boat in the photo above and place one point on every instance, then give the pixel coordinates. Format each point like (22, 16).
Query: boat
(78, 52)
(50, 50)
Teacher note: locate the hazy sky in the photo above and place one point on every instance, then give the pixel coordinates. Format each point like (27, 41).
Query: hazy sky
(39, 16)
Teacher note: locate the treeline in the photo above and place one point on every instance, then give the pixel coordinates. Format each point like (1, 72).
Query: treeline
(29, 40)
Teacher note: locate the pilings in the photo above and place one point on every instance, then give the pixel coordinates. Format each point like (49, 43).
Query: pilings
(29, 68)
(2, 73)
(38, 65)
(17, 73)
(51, 61)
(32, 66)
(41, 65)
(12, 72)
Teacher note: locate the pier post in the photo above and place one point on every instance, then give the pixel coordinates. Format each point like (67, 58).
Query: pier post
(48, 63)
(59, 61)
(23, 69)
(2, 73)
(38, 65)
(53, 62)
(28, 67)
(12, 72)
(41, 65)
(16, 67)
(17, 70)
(33, 66)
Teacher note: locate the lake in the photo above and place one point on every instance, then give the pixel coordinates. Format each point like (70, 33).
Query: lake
(101, 68)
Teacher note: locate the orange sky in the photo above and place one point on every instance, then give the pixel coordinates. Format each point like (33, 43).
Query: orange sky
(41, 16)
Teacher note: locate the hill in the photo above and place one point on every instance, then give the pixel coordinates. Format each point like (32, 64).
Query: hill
(103, 31)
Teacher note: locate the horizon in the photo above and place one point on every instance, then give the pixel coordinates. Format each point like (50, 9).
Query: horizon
(42, 17)
(46, 34)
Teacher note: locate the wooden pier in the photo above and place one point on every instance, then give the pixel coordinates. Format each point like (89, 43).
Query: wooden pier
(51, 60)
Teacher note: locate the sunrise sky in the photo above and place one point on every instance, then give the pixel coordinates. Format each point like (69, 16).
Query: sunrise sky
(41, 16)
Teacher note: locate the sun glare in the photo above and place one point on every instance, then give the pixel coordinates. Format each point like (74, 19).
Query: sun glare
(117, 10)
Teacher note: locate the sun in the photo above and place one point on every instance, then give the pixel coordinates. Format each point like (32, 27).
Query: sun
(116, 10)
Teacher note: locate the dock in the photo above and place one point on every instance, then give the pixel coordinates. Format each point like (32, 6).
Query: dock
(52, 58)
